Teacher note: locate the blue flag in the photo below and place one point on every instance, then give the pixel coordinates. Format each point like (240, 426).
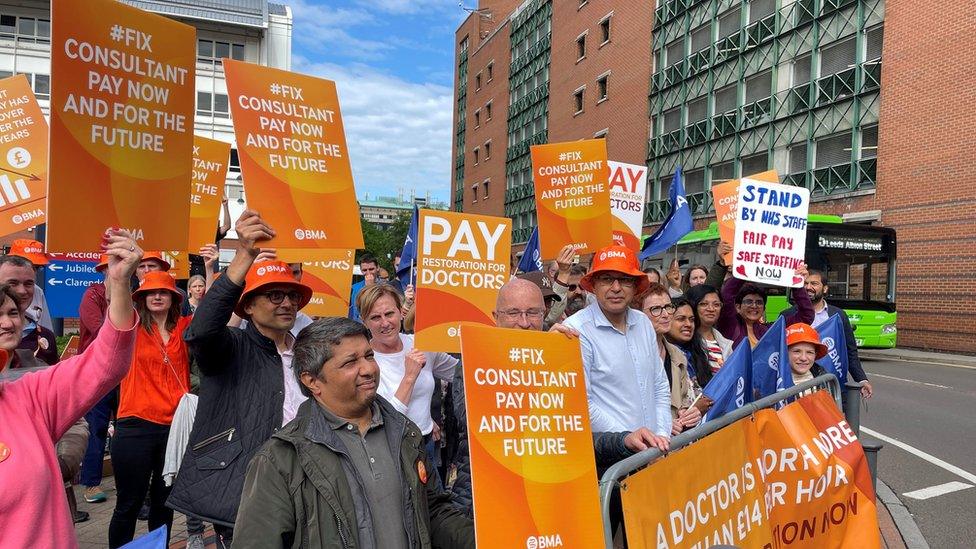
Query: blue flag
(532, 256)
(833, 336)
(771, 361)
(676, 225)
(153, 540)
(406, 272)
(731, 387)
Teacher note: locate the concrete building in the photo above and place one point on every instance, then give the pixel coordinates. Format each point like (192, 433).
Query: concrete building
(540, 71)
(383, 211)
(256, 31)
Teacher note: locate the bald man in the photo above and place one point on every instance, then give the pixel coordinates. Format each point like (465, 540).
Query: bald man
(520, 306)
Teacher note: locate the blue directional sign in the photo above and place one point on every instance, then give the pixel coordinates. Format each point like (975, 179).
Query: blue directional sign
(65, 283)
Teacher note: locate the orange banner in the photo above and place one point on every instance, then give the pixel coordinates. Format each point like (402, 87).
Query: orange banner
(330, 277)
(462, 261)
(23, 157)
(179, 264)
(533, 471)
(294, 157)
(572, 197)
(122, 106)
(206, 190)
(725, 197)
(796, 477)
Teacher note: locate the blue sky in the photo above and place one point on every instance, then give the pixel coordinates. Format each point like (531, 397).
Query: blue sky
(392, 61)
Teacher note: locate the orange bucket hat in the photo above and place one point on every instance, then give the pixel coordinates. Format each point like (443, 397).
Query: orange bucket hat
(618, 259)
(158, 257)
(268, 273)
(805, 333)
(158, 280)
(31, 250)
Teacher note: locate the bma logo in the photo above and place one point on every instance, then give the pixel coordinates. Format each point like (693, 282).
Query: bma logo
(543, 542)
(829, 342)
(303, 234)
(27, 216)
(270, 269)
(612, 253)
(774, 361)
(740, 392)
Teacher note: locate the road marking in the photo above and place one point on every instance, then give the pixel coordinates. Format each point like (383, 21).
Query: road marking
(911, 381)
(966, 475)
(917, 361)
(940, 490)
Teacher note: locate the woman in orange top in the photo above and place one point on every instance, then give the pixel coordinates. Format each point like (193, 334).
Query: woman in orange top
(159, 376)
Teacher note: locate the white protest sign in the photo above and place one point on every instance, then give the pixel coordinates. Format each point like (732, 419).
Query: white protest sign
(628, 189)
(770, 232)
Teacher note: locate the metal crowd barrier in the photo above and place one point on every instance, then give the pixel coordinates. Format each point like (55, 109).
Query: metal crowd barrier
(611, 478)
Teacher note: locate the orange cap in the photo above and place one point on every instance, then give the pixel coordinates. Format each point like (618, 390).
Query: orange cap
(158, 257)
(271, 273)
(619, 259)
(805, 333)
(31, 250)
(158, 280)
(102, 263)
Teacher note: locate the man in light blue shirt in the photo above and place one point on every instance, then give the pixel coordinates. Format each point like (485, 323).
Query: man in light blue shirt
(626, 384)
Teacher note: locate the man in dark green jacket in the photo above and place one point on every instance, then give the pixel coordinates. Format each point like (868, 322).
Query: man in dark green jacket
(349, 471)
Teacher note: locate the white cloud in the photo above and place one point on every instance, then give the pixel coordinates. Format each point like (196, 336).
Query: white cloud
(398, 132)
(323, 28)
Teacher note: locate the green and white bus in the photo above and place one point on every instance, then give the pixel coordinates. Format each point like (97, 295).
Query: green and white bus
(858, 261)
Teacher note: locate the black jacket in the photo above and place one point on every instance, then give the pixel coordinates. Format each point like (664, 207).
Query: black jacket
(853, 361)
(302, 491)
(241, 399)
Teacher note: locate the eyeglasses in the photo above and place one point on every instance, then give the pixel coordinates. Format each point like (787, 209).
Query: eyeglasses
(753, 303)
(277, 296)
(658, 309)
(572, 287)
(531, 314)
(609, 279)
(711, 304)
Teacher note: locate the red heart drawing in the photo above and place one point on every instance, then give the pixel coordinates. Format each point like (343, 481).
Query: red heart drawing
(741, 270)
(797, 279)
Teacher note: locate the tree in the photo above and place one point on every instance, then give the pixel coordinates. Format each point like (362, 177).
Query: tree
(385, 244)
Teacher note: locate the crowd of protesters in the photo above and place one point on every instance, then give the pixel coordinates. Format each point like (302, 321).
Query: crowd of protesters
(228, 404)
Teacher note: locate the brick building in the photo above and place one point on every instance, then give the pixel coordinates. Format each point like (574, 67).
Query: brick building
(734, 87)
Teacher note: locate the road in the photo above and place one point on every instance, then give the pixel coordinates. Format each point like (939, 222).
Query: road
(928, 414)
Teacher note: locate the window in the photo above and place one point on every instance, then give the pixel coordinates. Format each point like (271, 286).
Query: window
(759, 86)
(215, 105)
(723, 172)
(602, 134)
(487, 150)
(833, 150)
(581, 46)
(760, 8)
(675, 52)
(474, 192)
(491, 70)
(485, 184)
(235, 161)
(837, 57)
(477, 118)
(605, 30)
(695, 181)
(697, 109)
(488, 111)
(875, 39)
(869, 142)
(801, 69)
(582, 3)
(40, 83)
(726, 99)
(754, 164)
(665, 186)
(672, 120)
(798, 157)
(729, 23)
(28, 29)
(578, 100)
(477, 82)
(601, 84)
(210, 51)
(477, 153)
(701, 38)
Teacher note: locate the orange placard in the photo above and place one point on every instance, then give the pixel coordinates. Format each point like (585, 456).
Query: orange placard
(462, 261)
(179, 264)
(330, 277)
(71, 349)
(23, 157)
(122, 101)
(533, 472)
(572, 197)
(725, 197)
(796, 477)
(294, 157)
(206, 190)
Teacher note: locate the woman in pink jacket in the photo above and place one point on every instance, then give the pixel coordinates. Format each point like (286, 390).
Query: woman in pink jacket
(38, 408)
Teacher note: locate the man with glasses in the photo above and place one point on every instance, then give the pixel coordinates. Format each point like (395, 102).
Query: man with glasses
(625, 379)
(248, 389)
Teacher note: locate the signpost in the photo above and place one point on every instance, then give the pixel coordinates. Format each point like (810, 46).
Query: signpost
(65, 280)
